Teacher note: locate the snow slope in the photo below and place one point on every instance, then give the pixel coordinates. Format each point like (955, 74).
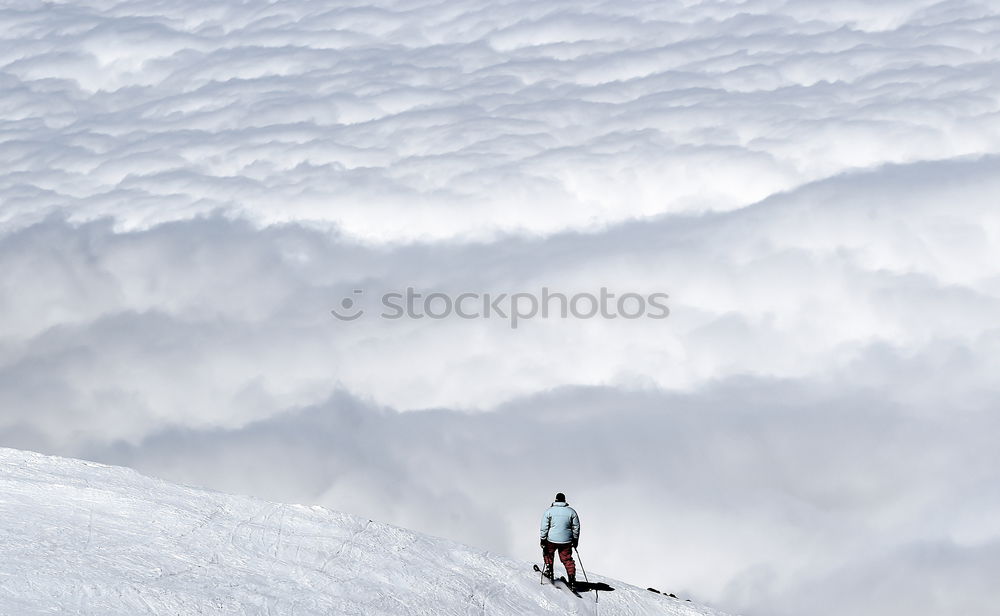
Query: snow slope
(85, 538)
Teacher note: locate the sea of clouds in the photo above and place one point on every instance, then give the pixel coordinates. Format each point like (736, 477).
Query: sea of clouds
(187, 189)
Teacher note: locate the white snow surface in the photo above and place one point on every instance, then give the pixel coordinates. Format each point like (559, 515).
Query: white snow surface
(85, 538)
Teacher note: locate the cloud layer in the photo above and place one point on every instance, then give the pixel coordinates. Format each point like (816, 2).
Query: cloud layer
(188, 190)
(404, 121)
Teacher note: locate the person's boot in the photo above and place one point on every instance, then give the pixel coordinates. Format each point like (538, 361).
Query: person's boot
(571, 578)
(547, 572)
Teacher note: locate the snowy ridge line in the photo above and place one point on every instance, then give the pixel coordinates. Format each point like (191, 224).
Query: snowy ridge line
(93, 539)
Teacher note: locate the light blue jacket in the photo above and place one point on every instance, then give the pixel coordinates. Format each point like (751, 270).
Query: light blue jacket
(560, 524)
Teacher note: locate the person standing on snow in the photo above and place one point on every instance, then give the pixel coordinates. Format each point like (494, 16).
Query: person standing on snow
(560, 530)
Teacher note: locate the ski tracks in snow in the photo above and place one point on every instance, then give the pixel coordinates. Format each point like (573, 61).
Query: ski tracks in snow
(102, 541)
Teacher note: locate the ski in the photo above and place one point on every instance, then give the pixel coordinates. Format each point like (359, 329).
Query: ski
(553, 581)
(540, 572)
(568, 587)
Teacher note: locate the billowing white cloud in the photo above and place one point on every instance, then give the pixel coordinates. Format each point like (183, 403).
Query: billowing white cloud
(457, 120)
(187, 191)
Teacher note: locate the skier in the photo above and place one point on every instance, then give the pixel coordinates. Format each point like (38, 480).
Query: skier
(560, 530)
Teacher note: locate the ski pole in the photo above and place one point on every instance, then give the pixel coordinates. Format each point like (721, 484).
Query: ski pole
(584, 569)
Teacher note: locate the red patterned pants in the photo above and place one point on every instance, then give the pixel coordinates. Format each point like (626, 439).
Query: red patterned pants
(565, 555)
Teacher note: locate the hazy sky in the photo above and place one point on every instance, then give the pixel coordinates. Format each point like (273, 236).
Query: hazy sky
(187, 190)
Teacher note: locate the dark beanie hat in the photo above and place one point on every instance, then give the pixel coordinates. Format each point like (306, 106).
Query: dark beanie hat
(560, 498)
